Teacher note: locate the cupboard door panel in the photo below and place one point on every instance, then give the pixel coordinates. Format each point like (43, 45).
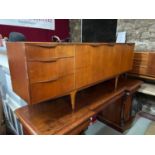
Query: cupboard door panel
(96, 63)
(126, 57)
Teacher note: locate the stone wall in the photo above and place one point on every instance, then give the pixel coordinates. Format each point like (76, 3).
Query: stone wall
(139, 31)
(75, 30)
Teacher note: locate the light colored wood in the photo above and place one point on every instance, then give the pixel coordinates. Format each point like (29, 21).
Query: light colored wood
(73, 99)
(46, 90)
(40, 71)
(116, 82)
(125, 51)
(43, 51)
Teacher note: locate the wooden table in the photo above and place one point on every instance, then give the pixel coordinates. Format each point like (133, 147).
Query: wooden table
(57, 117)
(118, 114)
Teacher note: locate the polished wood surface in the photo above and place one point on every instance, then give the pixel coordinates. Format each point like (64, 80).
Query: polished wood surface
(95, 63)
(50, 70)
(144, 65)
(56, 116)
(45, 71)
(52, 117)
(18, 70)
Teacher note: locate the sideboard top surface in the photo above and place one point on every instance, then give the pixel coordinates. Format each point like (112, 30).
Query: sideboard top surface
(71, 43)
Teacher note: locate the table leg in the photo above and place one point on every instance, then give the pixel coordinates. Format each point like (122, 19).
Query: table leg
(73, 96)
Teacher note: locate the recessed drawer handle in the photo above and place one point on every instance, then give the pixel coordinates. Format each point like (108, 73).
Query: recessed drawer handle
(110, 44)
(46, 81)
(45, 60)
(95, 45)
(44, 45)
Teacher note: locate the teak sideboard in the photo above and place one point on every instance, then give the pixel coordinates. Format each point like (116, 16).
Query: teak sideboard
(42, 71)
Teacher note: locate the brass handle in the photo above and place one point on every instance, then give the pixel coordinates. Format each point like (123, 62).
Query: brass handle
(46, 81)
(45, 60)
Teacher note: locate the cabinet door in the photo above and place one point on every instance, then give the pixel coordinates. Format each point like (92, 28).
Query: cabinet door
(126, 51)
(95, 62)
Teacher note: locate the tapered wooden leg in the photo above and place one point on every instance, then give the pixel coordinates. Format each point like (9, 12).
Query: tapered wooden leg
(73, 96)
(116, 82)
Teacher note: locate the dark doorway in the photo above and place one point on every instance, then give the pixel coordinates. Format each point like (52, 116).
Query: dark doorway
(99, 30)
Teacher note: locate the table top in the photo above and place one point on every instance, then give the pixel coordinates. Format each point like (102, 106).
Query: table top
(56, 116)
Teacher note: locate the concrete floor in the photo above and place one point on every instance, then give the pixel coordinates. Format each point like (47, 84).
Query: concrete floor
(140, 127)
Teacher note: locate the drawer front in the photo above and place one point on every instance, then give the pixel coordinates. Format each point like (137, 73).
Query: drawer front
(47, 90)
(39, 72)
(50, 70)
(35, 52)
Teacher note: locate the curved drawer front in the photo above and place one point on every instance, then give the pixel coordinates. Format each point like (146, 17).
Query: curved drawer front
(45, 52)
(39, 71)
(50, 70)
(46, 90)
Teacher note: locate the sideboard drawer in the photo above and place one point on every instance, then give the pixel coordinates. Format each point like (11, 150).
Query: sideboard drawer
(45, 52)
(39, 71)
(46, 90)
(46, 71)
(35, 52)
